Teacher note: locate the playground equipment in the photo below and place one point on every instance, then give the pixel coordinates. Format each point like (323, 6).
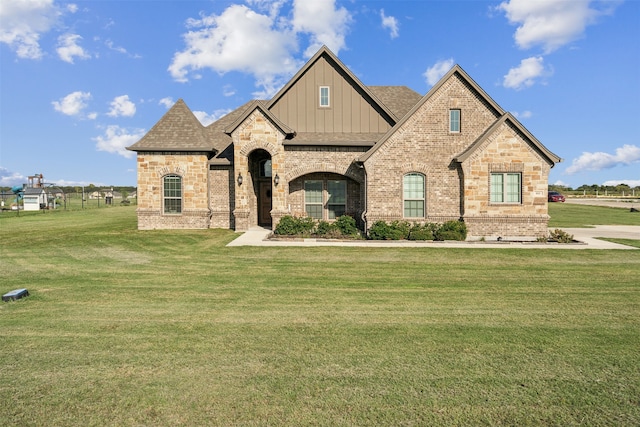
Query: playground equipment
(34, 195)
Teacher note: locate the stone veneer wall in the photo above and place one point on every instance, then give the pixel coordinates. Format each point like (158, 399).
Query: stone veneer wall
(289, 162)
(192, 167)
(506, 151)
(423, 144)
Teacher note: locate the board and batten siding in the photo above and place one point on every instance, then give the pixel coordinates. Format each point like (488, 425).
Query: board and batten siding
(350, 109)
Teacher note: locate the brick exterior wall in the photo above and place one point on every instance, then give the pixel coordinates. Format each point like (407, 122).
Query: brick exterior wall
(423, 144)
(222, 196)
(152, 168)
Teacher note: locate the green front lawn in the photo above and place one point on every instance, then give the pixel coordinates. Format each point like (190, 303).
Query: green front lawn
(570, 215)
(164, 328)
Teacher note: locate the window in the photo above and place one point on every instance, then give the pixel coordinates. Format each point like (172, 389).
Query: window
(265, 168)
(313, 198)
(324, 96)
(454, 121)
(506, 188)
(172, 187)
(413, 195)
(335, 198)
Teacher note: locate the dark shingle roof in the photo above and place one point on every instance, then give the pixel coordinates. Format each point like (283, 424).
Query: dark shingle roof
(334, 139)
(177, 130)
(399, 99)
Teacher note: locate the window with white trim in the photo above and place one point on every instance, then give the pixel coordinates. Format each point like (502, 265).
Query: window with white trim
(324, 96)
(325, 199)
(506, 188)
(172, 194)
(414, 191)
(454, 121)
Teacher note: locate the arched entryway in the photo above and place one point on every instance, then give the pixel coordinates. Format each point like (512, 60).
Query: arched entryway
(260, 170)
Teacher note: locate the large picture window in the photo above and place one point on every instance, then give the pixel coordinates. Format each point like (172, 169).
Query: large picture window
(172, 191)
(325, 199)
(506, 188)
(413, 190)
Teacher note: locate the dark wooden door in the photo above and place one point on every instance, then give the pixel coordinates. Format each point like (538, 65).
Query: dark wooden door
(264, 203)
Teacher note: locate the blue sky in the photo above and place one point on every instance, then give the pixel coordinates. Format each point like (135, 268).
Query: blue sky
(81, 80)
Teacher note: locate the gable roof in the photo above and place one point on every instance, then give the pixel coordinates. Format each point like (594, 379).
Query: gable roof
(456, 69)
(326, 52)
(259, 105)
(508, 117)
(399, 99)
(177, 130)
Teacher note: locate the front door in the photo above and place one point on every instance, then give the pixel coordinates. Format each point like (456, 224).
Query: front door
(264, 203)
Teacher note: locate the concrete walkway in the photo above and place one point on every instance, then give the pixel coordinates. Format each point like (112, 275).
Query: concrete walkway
(257, 236)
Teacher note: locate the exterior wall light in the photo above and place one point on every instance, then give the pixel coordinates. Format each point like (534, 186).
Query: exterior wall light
(239, 178)
(276, 179)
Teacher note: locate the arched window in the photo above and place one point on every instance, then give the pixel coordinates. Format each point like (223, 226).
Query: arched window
(172, 194)
(413, 190)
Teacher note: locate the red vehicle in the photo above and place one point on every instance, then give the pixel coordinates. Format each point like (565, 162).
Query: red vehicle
(554, 196)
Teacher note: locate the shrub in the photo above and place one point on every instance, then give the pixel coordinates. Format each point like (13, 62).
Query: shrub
(379, 230)
(292, 226)
(323, 228)
(560, 236)
(452, 230)
(397, 230)
(421, 232)
(346, 225)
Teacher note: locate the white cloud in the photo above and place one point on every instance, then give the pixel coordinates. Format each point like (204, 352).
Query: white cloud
(523, 115)
(122, 106)
(120, 49)
(23, 22)
(116, 139)
(261, 44)
(390, 23)
(237, 40)
(325, 24)
(206, 119)
(625, 155)
(72, 104)
(552, 23)
(167, 102)
(228, 90)
(10, 179)
(73, 8)
(68, 48)
(525, 74)
(439, 69)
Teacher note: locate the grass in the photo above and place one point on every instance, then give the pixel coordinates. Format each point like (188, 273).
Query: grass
(580, 216)
(163, 328)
